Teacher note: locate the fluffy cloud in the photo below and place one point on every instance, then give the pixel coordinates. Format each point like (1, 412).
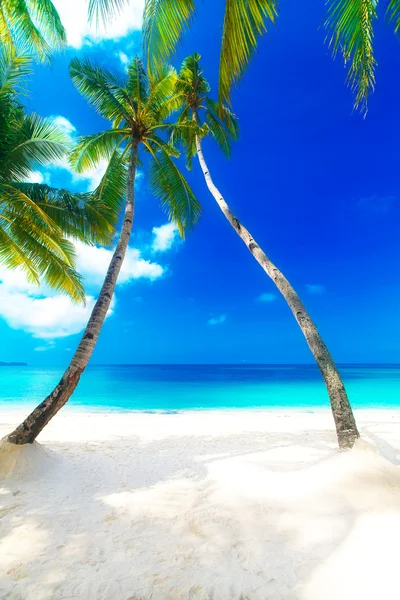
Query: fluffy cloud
(164, 237)
(35, 177)
(315, 288)
(74, 15)
(64, 124)
(124, 58)
(38, 311)
(217, 320)
(45, 314)
(92, 263)
(267, 297)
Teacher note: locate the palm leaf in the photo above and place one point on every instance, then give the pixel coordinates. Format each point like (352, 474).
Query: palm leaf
(244, 22)
(38, 141)
(101, 89)
(176, 196)
(136, 86)
(45, 15)
(13, 69)
(164, 22)
(20, 27)
(103, 208)
(101, 11)
(393, 14)
(350, 27)
(91, 149)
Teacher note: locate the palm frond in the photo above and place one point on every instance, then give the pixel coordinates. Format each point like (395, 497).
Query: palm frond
(176, 196)
(31, 239)
(45, 15)
(164, 22)
(220, 135)
(93, 148)
(164, 98)
(183, 133)
(137, 86)
(393, 14)
(100, 11)
(101, 89)
(244, 22)
(38, 141)
(350, 27)
(103, 207)
(19, 26)
(225, 116)
(14, 68)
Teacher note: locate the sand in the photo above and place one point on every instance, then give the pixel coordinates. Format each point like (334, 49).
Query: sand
(256, 505)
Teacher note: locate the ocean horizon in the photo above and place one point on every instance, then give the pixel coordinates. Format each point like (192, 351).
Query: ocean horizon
(173, 387)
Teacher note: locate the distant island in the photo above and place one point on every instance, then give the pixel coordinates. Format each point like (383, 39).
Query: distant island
(13, 364)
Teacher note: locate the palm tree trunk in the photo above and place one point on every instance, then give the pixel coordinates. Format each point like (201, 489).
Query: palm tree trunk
(346, 427)
(28, 431)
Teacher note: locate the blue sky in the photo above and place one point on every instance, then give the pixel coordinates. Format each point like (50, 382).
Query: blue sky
(316, 184)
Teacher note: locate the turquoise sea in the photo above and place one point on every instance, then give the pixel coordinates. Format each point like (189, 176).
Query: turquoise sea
(183, 387)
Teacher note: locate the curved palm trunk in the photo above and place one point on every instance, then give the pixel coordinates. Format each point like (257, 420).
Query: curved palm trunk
(346, 427)
(27, 432)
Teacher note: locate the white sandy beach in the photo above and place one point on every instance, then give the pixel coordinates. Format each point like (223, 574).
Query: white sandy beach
(257, 505)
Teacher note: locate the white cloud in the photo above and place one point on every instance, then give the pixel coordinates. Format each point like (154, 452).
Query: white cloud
(74, 15)
(124, 58)
(45, 314)
(164, 237)
(35, 177)
(315, 288)
(267, 297)
(50, 346)
(28, 307)
(93, 262)
(64, 124)
(217, 320)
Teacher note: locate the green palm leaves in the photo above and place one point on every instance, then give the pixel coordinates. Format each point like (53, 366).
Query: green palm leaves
(350, 23)
(36, 219)
(201, 115)
(139, 111)
(244, 22)
(33, 25)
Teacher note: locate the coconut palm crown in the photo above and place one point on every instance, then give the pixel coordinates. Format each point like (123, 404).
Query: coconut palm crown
(201, 115)
(139, 110)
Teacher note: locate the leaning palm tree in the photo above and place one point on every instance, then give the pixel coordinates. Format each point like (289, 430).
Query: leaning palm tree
(36, 220)
(139, 112)
(203, 116)
(33, 24)
(349, 24)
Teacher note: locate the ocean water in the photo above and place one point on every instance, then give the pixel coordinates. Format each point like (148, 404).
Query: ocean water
(185, 387)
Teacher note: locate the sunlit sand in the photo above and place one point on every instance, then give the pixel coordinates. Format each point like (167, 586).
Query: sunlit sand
(201, 505)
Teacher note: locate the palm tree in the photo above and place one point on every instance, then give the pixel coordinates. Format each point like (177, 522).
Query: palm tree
(203, 116)
(349, 24)
(33, 24)
(139, 113)
(36, 219)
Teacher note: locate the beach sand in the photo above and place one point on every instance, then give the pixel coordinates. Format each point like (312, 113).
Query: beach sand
(257, 505)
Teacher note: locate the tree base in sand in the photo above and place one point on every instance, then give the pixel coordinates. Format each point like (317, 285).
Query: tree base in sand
(29, 460)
